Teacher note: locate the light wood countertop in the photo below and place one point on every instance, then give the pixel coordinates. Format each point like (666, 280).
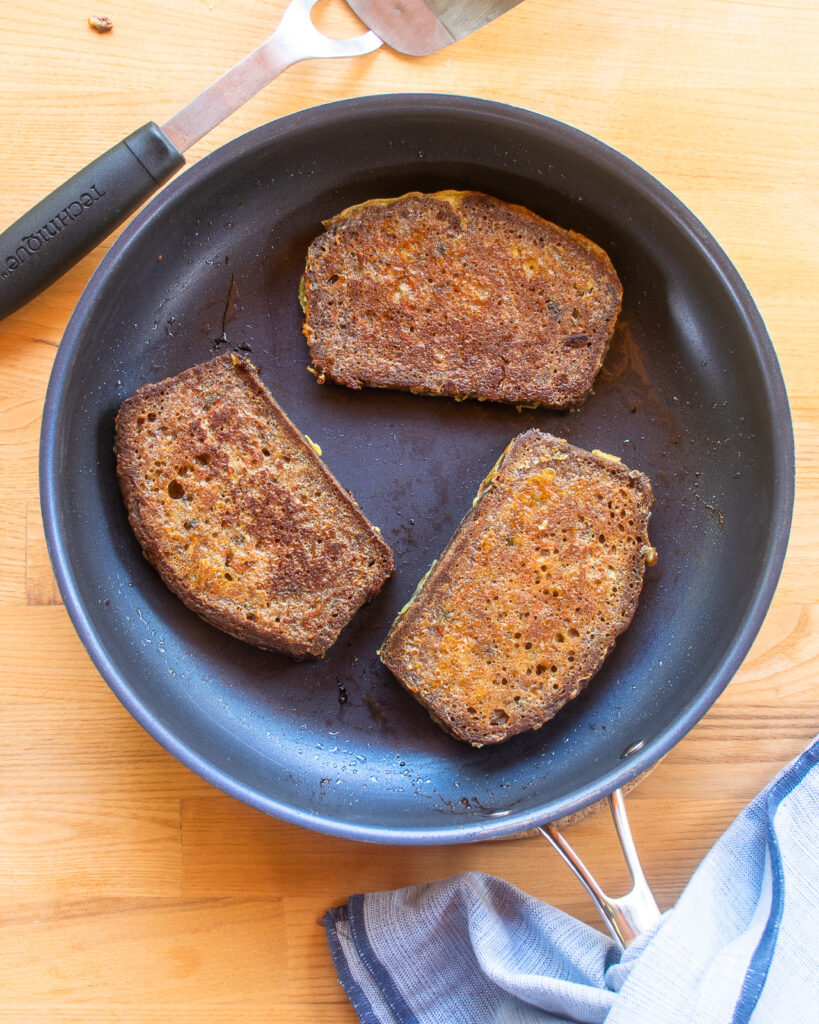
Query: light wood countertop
(132, 891)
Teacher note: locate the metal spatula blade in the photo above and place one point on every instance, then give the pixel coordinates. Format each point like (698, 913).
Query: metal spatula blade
(417, 28)
(45, 242)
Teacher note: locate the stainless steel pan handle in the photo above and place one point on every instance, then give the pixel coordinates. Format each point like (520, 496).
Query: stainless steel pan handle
(627, 916)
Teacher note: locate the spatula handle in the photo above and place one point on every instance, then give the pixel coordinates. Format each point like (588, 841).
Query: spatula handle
(45, 242)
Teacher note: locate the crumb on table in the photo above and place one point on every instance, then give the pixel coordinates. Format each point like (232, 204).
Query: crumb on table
(100, 23)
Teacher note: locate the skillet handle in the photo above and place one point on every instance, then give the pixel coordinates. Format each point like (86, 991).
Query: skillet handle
(629, 915)
(62, 228)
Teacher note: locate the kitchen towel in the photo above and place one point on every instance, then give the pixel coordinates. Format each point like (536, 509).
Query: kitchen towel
(740, 945)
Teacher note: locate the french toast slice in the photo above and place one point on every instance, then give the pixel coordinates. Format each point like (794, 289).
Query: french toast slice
(458, 293)
(241, 518)
(528, 597)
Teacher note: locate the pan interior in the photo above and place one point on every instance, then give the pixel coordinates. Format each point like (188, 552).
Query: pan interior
(689, 393)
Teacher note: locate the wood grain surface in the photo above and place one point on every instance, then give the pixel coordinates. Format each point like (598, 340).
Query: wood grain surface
(132, 891)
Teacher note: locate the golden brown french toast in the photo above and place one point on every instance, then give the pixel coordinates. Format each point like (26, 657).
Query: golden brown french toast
(460, 294)
(529, 595)
(235, 509)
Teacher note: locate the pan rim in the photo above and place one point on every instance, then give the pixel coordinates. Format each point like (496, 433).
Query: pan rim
(658, 196)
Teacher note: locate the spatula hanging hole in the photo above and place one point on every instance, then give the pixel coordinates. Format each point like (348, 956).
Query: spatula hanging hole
(335, 20)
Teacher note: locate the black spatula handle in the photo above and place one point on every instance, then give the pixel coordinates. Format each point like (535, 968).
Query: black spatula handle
(63, 227)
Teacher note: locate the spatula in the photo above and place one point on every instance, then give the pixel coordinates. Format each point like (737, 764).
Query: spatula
(45, 242)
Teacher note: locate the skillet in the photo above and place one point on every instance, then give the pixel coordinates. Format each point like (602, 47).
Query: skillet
(690, 393)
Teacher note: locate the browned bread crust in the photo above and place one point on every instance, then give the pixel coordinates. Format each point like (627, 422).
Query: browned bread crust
(460, 294)
(240, 517)
(530, 593)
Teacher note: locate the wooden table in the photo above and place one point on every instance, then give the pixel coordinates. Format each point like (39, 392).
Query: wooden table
(132, 890)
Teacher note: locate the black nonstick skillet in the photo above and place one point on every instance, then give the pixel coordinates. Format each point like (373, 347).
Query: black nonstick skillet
(690, 393)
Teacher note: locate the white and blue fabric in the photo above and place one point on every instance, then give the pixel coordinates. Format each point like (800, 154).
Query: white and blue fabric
(741, 946)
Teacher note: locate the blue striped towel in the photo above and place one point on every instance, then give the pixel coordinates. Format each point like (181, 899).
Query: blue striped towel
(741, 944)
